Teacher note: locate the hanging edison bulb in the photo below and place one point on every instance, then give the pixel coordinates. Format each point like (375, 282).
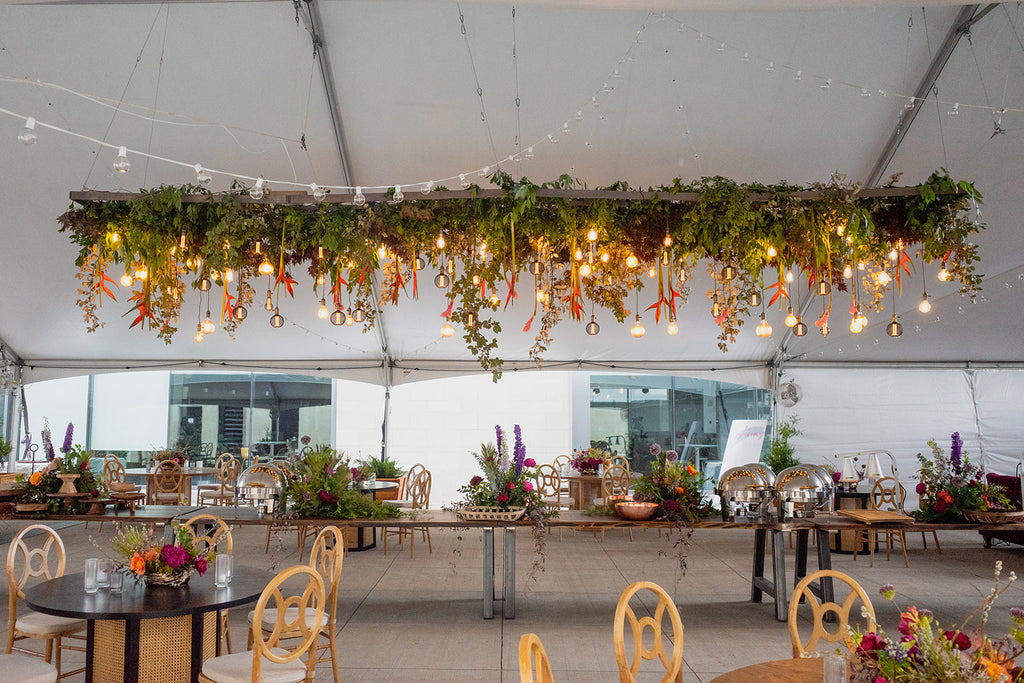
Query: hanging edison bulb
(266, 268)
(203, 176)
(824, 330)
(207, 325)
(115, 237)
(716, 308)
(358, 315)
(28, 135)
(322, 312)
(239, 312)
(229, 275)
(673, 328)
(862, 319)
(790, 318)
(800, 329)
(337, 317)
(943, 273)
(592, 235)
(199, 334)
(925, 305)
(847, 271)
(269, 305)
(894, 328)
(824, 288)
(470, 319)
(359, 199)
(141, 271)
(882, 278)
(349, 320)
(494, 301)
(418, 263)
(127, 280)
(205, 284)
(585, 269)
(447, 330)
(605, 257)
(771, 252)
(277, 319)
(789, 275)
(632, 261)
(440, 241)
(638, 329)
(754, 299)
(728, 272)
(121, 163)
(652, 272)
(319, 192)
(537, 267)
(592, 327)
(763, 329)
(441, 280)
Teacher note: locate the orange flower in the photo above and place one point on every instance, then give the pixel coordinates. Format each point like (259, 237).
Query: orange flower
(691, 470)
(680, 489)
(150, 555)
(138, 565)
(35, 478)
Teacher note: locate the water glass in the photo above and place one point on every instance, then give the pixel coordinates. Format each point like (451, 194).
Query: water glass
(116, 581)
(103, 572)
(835, 669)
(92, 566)
(222, 571)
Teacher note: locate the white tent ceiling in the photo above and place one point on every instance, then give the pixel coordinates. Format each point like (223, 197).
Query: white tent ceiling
(234, 86)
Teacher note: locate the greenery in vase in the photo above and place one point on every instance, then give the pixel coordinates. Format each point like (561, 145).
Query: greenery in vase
(926, 653)
(142, 554)
(780, 454)
(677, 488)
(951, 484)
(321, 486)
(382, 467)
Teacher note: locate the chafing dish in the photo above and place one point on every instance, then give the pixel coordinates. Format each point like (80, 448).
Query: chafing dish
(801, 490)
(744, 490)
(262, 484)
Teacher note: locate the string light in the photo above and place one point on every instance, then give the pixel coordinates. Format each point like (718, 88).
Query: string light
(203, 176)
(121, 163)
(28, 135)
(638, 329)
(427, 187)
(359, 199)
(397, 196)
(447, 330)
(256, 191)
(319, 192)
(463, 183)
(323, 313)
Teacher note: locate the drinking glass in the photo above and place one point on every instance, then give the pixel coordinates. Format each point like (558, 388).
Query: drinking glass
(103, 572)
(91, 570)
(835, 669)
(116, 581)
(222, 571)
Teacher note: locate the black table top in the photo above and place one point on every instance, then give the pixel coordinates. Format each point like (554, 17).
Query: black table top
(65, 597)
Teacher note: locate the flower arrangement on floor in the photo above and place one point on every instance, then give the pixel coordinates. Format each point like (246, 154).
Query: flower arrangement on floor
(677, 488)
(950, 485)
(41, 485)
(589, 460)
(507, 481)
(925, 652)
(157, 563)
(321, 485)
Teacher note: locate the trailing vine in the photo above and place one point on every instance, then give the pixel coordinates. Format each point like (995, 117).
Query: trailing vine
(592, 252)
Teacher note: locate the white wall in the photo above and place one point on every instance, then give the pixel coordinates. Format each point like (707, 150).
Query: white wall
(359, 411)
(439, 423)
(130, 411)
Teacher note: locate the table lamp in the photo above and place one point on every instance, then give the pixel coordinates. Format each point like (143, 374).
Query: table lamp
(849, 469)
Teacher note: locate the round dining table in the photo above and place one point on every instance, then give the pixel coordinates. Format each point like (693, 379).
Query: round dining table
(148, 633)
(808, 670)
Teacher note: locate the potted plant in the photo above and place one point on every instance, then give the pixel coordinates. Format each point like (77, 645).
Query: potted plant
(383, 469)
(780, 453)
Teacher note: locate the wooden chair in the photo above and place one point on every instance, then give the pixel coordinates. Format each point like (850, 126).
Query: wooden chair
(561, 460)
(618, 460)
(419, 492)
(27, 669)
(615, 482)
(820, 610)
(113, 470)
(24, 563)
(226, 478)
(207, 531)
(168, 484)
(301, 613)
(405, 487)
(672, 662)
(935, 536)
(326, 558)
(886, 494)
(221, 459)
(533, 657)
(549, 487)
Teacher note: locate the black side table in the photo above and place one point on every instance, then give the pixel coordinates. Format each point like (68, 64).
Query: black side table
(844, 541)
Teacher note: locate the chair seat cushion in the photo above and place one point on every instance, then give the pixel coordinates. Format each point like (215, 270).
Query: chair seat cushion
(27, 669)
(40, 624)
(270, 616)
(400, 503)
(237, 668)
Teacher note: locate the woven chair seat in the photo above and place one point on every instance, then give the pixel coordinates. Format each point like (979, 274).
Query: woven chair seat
(564, 501)
(27, 669)
(270, 616)
(41, 624)
(237, 668)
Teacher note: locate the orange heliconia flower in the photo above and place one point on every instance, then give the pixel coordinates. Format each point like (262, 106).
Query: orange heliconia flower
(138, 565)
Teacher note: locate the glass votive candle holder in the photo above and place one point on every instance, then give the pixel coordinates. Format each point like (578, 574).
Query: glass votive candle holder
(834, 669)
(91, 570)
(116, 581)
(103, 572)
(222, 571)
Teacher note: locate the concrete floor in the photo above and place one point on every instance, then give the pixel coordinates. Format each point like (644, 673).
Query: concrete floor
(419, 619)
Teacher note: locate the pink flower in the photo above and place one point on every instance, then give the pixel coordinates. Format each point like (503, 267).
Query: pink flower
(529, 462)
(502, 498)
(921, 488)
(959, 640)
(511, 486)
(528, 486)
(201, 565)
(881, 679)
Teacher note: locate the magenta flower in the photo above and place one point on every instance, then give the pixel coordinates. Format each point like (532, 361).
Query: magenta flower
(511, 486)
(175, 556)
(201, 565)
(476, 481)
(960, 641)
(528, 486)
(529, 462)
(502, 498)
(921, 488)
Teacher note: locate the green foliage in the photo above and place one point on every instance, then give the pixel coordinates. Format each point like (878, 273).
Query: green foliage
(5, 449)
(383, 467)
(780, 454)
(677, 488)
(321, 487)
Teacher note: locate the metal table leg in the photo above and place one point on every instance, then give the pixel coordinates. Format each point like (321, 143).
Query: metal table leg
(488, 573)
(825, 562)
(508, 608)
(758, 584)
(779, 574)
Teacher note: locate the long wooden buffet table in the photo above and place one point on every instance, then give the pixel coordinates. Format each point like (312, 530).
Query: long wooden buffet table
(760, 585)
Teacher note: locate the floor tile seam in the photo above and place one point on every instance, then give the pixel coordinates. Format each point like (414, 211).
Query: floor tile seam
(366, 595)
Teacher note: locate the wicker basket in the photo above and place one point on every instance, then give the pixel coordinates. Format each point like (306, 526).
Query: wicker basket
(994, 516)
(483, 513)
(175, 580)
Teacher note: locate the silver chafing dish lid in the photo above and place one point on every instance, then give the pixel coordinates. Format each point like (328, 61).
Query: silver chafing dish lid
(261, 480)
(743, 483)
(801, 484)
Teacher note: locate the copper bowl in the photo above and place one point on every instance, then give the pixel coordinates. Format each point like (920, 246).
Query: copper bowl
(635, 511)
(619, 498)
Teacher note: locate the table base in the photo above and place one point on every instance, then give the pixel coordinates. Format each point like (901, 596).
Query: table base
(169, 650)
(776, 588)
(508, 589)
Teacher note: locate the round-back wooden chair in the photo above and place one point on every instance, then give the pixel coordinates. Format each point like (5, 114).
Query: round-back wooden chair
(671, 661)
(614, 482)
(300, 613)
(223, 493)
(819, 610)
(419, 497)
(326, 557)
(45, 559)
(113, 470)
(405, 486)
(887, 494)
(221, 459)
(207, 533)
(168, 484)
(533, 657)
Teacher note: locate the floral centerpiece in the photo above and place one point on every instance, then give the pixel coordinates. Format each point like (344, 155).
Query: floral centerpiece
(925, 652)
(72, 466)
(587, 461)
(951, 485)
(506, 484)
(157, 563)
(322, 485)
(677, 488)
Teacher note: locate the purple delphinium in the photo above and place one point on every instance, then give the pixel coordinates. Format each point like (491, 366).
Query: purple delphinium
(48, 445)
(499, 439)
(68, 438)
(175, 556)
(518, 450)
(956, 453)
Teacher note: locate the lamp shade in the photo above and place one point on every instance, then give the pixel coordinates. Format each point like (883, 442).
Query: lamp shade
(849, 469)
(874, 467)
